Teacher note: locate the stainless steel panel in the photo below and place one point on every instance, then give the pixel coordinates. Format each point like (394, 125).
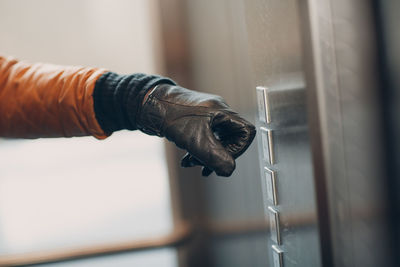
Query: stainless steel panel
(274, 225)
(270, 183)
(276, 61)
(267, 145)
(284, 106)
(343, 105)
(277, 255)
(234, 46)
(244, 44)
(262, 101)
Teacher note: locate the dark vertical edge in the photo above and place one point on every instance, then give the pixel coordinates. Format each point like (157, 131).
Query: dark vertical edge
(389, 99)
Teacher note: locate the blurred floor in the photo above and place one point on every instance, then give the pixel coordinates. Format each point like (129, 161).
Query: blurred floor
(154, 258)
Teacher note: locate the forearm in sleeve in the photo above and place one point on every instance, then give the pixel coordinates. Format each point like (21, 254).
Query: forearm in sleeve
(44, 100)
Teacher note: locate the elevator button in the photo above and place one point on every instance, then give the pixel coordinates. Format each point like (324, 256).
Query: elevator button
(267, 145)
(281, 106)
(274, 225)
(270, 182)
(262, 101)
(277, 256)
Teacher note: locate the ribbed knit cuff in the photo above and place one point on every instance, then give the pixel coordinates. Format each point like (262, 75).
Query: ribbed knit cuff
(117, 98)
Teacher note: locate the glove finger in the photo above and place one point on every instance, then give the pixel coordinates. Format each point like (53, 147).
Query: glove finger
(206, 171)
(190, 161)
(210, 153)
(235, 133)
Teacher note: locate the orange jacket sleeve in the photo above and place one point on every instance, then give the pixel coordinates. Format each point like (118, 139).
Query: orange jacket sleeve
(44, 100)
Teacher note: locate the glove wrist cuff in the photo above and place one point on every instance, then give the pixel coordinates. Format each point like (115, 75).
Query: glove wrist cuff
(152, 113)
(118, 99)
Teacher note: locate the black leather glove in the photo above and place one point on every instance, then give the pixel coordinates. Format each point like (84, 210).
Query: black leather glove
(203, 124)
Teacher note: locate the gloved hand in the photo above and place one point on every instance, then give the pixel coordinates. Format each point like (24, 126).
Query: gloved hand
(203, 124)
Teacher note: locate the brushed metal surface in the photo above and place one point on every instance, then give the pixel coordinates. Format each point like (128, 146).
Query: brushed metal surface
(283, 106)
(262, 101)
(340, 60)
(233, 47)
(270, 186)
(267, 148)
(274, 225)
(277, 256)
(330, 196)
(276, 57)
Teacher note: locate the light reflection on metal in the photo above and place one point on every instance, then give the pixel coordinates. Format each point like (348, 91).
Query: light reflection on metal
(274, 225)
(277, 256)
(267, 143)
(270, 181)
(263, 107)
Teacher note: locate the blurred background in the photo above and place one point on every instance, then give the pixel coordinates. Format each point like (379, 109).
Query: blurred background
(319, 186)
(70, 193)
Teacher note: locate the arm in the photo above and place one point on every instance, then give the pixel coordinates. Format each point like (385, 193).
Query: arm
(42, 100)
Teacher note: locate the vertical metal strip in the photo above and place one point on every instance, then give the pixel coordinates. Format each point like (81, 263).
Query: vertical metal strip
(307, 16)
